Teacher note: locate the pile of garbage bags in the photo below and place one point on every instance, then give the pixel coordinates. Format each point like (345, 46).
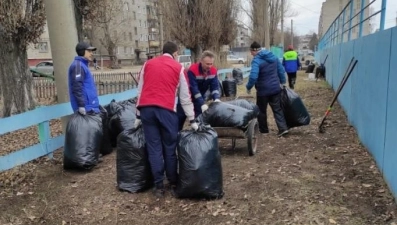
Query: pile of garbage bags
(89, 136)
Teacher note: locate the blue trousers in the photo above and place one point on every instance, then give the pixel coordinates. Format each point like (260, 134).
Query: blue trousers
(160, 127)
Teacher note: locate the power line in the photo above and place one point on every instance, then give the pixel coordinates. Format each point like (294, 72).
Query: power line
(304, 7)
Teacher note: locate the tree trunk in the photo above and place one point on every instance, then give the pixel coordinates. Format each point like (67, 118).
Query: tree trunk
(15, 78)
(196, 53)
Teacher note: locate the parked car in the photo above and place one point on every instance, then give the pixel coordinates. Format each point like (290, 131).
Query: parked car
(44, 67)
(234, 59)
(185, 60)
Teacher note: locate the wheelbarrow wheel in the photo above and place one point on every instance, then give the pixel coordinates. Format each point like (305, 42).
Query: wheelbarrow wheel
(252, 137)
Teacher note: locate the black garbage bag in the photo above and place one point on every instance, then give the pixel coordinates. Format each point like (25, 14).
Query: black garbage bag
(82, 141)
(106, 146)
(245, 104)
(200, 168)
(112, 108)
(222, 114)
(320, 71)
(229, 87)
(133, 169)
(295, 112)
(310, 68)
(238, 75)
(122, 120)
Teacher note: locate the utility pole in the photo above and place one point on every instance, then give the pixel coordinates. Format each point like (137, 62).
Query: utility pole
(292, 32)
(267, 35)
(282, 25)
(61, 23)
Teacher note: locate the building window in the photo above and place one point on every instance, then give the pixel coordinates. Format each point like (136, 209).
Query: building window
(42, 46)
(136, 44)
(134, 15)
(145, 24)
(136, 30)
(125, 36)
(125, 51)
(131, 50)
(130, 36)
(140, 23)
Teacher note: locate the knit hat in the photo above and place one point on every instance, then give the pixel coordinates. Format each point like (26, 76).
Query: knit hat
(255, 46)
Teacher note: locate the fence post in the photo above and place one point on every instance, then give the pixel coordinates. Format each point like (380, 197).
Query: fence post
(383, 15)
(350, 22)
(45, 135)
(343, 25)
(360, 32)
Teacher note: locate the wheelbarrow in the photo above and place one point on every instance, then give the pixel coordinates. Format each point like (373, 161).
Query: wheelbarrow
(251, 133)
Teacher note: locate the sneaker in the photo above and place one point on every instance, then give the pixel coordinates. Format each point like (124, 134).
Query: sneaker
(282, 133)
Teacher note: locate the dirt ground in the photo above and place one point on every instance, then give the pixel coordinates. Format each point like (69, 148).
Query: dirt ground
(304, 178)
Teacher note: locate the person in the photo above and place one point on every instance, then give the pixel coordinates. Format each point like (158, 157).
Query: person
(82, 90)
(267, 75)
(291, 64)
(161, 82)
(202, 77)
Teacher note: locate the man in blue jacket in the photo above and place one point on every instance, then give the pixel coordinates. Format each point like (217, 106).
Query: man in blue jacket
(82, 89)
(267, 75)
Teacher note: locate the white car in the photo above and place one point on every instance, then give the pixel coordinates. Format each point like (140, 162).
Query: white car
(234, 59)
(185, 60)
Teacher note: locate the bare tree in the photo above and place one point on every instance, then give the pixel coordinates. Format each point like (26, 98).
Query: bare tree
(21, 23)
(257, 16)
(105, 19)
(313, 42)
(200, 24)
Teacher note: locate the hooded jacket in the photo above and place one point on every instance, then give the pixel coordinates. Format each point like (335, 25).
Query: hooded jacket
(267, 73)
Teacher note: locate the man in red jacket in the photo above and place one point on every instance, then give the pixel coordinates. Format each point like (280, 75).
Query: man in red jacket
(161, 82)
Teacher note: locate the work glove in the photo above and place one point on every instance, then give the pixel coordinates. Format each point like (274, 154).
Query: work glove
(248, 91)
(137, 123)
(204, 108)
(82, 111)
(194, 126)
(217, 100)
(282, 86)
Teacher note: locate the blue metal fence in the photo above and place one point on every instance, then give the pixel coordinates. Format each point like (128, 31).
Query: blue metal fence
(368, 98)
(345, 22)
(41, 116)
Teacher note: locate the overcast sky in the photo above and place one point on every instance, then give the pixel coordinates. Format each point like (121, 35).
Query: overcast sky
(308, 13)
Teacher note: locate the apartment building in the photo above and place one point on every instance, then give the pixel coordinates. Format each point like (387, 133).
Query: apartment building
(331, 9)
(242, 39)
(40, 51)
(134, 29)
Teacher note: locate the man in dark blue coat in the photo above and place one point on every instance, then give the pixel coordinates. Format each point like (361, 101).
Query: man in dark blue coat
(268, 77)
(82, 89)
